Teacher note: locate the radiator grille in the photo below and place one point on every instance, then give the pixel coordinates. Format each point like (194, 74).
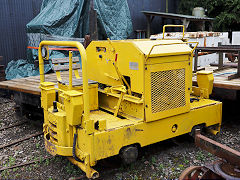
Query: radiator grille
(167, 90)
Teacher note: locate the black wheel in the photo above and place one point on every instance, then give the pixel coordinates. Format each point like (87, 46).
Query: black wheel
(129, 154)
(200, 126)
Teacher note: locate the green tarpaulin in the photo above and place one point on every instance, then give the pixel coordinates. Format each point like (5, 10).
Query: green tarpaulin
(114, 19)
(70, 19)
(61, 18)
(21, 68)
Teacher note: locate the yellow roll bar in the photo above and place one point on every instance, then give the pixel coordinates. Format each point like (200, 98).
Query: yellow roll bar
(164, 28)
(172, 44)
(83, 54)
(70, 70)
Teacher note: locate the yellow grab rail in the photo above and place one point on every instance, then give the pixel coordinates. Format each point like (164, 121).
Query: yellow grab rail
(70, 70)
(164, 28)
(172, 44)
(83, 55)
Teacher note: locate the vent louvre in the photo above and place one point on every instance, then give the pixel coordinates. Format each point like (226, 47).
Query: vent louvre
(167, 90)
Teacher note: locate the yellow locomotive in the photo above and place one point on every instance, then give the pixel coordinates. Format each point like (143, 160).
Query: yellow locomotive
(132, 93)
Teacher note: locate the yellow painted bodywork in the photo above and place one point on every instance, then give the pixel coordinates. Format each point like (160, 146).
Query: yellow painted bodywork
(205, 84)
(142, 97)
(205, 80)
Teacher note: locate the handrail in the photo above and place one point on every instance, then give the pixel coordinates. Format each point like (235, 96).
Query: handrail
(171, 44)
(164, 27)
(70, 70)
(83, 54)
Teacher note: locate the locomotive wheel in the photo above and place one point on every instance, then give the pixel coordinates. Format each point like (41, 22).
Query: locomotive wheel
(129, 154)
(227, 171)
(193, 172)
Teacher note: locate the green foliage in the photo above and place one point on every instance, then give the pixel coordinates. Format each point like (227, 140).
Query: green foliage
(37, 145)
(154, 160)
(71, 169)
(47, 162)
(11, 161)
(160, 167)
(186, 161)
(225, 12)
(200, 156)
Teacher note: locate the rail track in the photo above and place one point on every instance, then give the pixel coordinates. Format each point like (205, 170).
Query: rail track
(20, 140)
(13, 125)
(24, 164)
(161, 153)
(13, 134)
(110, 167)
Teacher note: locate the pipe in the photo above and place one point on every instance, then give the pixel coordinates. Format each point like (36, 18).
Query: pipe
(229, 65)
(166, 6)
(74, 148)
(90, 172)
(84, 68)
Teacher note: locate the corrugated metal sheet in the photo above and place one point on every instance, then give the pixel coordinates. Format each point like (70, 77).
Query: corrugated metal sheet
(138, 18)
(14, 15)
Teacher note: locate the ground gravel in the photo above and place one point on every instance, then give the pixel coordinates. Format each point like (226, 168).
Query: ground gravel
(164, 160)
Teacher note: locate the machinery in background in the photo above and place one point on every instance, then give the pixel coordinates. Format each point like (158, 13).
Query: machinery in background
(228, 167)
(132, 93)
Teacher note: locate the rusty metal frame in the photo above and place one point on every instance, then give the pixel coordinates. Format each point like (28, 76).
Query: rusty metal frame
(222, 151)
(220, 50)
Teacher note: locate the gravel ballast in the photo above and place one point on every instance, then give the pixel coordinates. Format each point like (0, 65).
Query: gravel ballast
(163, 160)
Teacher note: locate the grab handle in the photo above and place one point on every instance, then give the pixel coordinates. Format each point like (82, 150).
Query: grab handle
(164, 28)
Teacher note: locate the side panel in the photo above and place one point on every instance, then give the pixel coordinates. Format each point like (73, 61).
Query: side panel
(101, 57)
(127, 108)
(167, 90)
(109, 143)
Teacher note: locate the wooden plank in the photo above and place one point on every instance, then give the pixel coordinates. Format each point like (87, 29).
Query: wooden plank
(65, 67)
(64, 60)
(26, 83)
(30, 85)
(74, 83)
(224, 85)
(20, 83)
(221, 78)
(20, 87)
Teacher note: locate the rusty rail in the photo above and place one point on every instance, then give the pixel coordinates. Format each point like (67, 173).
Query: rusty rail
(222, 151)
(13, 125)
(78, 178)
(20, 140)
(24, 164)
